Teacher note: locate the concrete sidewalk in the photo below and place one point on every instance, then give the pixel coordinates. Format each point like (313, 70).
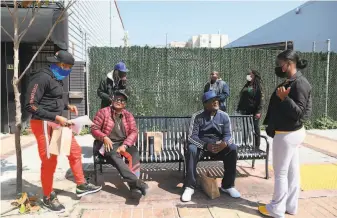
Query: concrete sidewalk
(322, 141)
(8, 144)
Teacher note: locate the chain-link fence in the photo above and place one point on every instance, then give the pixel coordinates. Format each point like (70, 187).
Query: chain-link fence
(170, 82)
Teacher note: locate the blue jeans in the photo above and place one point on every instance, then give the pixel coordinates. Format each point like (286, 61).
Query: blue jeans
(227, 155)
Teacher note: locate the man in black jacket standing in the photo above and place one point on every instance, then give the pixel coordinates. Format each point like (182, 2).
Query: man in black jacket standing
(45, 102)
(115, 81)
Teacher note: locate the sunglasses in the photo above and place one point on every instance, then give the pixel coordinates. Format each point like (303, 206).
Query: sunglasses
(120, 100)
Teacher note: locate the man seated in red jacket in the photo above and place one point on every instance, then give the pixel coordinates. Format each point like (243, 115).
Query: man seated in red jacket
(116, 128)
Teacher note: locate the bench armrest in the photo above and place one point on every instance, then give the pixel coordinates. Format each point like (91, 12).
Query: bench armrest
(183, 144)
(266, 139)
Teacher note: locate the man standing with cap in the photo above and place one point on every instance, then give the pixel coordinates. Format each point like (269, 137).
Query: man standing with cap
(116, 80)
(220, 87)
(45, 103)
(210, 134)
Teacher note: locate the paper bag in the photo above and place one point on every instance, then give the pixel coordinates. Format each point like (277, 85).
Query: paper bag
(209, 185)
(158, 140)
(60, 142)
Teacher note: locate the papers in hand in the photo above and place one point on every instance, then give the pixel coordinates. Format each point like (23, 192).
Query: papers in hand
(77, 124)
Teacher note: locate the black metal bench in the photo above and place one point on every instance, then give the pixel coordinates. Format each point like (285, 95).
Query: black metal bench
(175, 133)
(244, 137)
(174, 130)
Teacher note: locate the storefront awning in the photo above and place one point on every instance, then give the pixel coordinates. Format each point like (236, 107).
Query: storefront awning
(39, 30)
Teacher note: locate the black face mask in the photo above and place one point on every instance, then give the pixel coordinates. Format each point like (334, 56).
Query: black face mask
(280, 73)
(122, 84)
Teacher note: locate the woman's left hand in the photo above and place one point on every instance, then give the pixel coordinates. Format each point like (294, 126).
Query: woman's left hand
(282, 93)
(257, 116)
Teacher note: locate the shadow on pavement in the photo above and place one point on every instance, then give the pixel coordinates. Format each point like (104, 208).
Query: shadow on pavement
(8, 190)
(165, 182)
(7, 167)
(87, 151)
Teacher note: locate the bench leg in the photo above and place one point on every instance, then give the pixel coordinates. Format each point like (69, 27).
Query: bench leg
(267, 169)
(184, 173)
(253, 163)
(100, 168)
(95, 173)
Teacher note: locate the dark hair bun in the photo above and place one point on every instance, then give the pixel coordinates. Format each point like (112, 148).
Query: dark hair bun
(301, 63)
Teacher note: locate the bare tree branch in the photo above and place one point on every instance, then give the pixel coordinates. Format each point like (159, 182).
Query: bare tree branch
(7, 33)
(59, 19)
(24, 18)
(15, 22)
(9, 9)
(23, 33)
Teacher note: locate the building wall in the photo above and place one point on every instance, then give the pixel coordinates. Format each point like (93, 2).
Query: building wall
(208, 41)
(315, 21)
(94, 23)
(178, 44)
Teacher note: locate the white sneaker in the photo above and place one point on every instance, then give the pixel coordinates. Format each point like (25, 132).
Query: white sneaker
(232, 192)
(187, 195)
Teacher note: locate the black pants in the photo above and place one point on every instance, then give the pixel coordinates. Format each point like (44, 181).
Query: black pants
(227, 155)
(130, 171)
(257, 131)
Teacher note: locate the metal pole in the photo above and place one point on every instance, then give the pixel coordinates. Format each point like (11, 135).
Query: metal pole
(110, 21)
(314, 46)
(86, 76)
(286, 47)
(220, 38)
(327, 79)
(166, 40)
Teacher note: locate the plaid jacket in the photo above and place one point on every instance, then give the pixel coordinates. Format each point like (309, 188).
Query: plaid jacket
(103, 125)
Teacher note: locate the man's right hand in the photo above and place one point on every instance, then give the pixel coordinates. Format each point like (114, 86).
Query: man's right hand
(62, 121)
(212, 148)
(107, 143)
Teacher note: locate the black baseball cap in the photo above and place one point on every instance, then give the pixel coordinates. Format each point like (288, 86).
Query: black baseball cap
(121, 93)
(62, 57)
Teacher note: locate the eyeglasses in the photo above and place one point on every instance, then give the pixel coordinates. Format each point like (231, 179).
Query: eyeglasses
(120, 100)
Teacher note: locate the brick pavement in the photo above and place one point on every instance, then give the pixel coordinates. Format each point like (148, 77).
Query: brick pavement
(308, 208)
(165, 190)
(164, 198)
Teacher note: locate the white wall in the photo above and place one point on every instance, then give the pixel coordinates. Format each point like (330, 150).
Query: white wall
(315, 22)
(92, 18)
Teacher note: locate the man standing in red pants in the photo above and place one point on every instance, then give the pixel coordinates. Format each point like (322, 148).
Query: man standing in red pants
(45, 103)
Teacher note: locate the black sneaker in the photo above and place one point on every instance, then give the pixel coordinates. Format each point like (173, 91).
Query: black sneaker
(53, 203)
(86, 189)
(135, 193)
(142, 186)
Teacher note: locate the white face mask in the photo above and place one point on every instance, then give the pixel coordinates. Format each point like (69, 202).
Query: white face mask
(249, 78)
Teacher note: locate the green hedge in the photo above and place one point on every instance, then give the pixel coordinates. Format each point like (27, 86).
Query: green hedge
(170, 81)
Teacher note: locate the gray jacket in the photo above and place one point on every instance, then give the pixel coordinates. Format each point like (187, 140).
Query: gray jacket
(221, 89)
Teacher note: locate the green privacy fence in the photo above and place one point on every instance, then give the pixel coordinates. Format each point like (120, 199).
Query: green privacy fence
(170, 81)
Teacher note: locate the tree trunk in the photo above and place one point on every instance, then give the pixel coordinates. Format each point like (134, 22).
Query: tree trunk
(17, 120)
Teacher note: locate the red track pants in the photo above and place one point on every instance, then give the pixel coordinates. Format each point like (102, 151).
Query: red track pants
(43, 135)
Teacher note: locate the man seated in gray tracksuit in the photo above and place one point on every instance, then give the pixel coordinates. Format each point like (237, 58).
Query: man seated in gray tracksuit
(210, 133)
